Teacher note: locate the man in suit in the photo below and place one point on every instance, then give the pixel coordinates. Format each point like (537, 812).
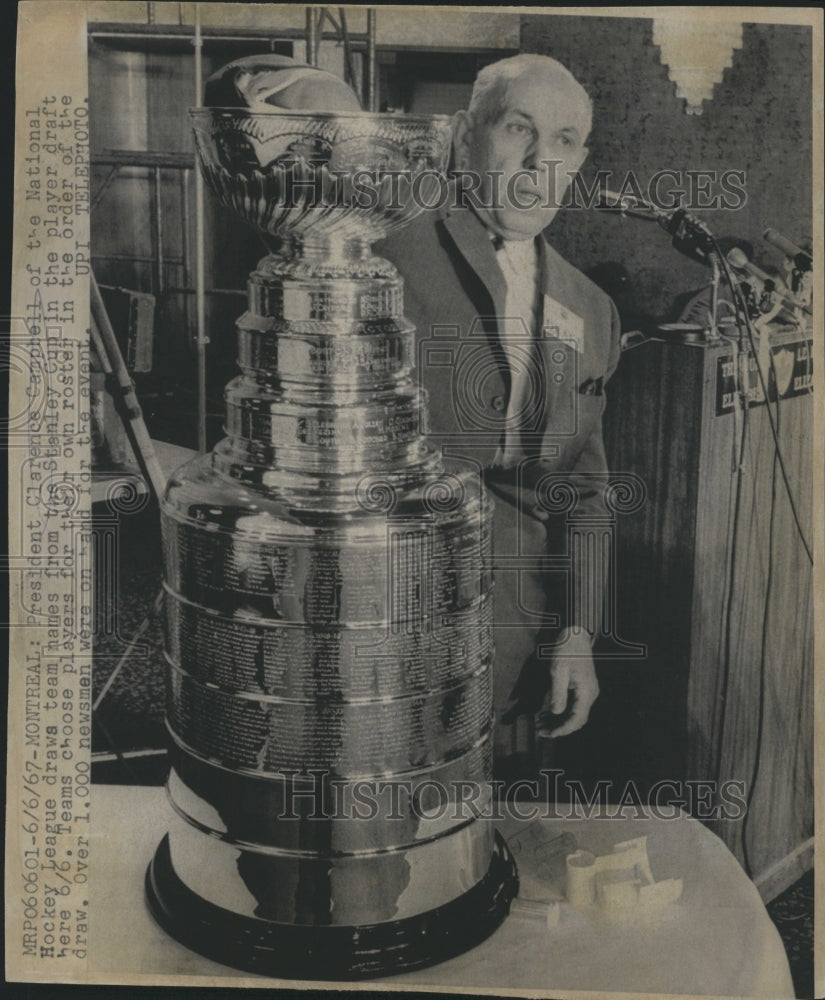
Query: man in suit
(515, 347)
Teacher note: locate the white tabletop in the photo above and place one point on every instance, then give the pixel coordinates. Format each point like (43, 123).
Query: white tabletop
(716, 941)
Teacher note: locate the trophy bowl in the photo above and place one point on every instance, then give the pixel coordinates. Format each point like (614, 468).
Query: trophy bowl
(323, 175)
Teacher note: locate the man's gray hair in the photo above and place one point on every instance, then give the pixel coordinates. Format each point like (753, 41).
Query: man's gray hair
(491, 83)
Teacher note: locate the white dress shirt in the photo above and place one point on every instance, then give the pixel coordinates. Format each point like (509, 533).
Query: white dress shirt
(518, 328)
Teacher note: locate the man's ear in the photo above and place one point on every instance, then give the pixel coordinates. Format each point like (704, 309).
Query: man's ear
(462, 137)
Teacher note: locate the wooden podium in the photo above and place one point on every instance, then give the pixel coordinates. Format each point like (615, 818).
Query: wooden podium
(713, 577)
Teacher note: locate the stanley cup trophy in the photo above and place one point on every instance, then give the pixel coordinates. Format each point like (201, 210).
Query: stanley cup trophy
(328, 593)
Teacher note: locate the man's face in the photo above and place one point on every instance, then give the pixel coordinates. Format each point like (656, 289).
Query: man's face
(541, 126)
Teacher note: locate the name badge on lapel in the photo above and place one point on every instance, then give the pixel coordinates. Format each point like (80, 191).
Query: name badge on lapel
(562, 323)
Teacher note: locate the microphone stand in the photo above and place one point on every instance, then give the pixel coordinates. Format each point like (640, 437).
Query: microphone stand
(715, 275)
(689, 236)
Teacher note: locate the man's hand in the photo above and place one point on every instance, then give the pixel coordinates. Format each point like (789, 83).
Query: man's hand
(573, 686)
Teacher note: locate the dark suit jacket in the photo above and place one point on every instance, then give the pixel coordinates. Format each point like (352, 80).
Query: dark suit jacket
(453, 292)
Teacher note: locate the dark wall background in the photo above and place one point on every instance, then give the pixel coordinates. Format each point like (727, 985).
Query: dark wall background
(758, 121)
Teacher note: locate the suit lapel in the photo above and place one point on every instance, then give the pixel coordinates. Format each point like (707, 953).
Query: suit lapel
(565, 303)
(473, 243)
(562, 362)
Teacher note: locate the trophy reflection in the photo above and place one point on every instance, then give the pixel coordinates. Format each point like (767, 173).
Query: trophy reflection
(328, 592)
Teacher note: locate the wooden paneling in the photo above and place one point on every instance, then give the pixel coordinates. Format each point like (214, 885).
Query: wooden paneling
(722, 597)
(651, 430)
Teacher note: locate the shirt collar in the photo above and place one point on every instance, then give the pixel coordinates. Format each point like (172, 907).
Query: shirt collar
(522, 254)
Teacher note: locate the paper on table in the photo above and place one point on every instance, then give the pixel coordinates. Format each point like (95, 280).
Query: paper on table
(619, 883)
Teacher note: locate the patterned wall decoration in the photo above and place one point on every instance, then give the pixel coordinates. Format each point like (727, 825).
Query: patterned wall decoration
(696, 54)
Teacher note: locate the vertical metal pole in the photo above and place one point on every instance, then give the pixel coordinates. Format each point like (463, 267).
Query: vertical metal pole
(371, 63)
(158, 229)
(350, 66)
(200, 297)
(311, 36)
(185, 250)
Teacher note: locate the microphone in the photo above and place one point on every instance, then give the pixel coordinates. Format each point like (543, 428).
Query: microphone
(738, 259)
(690, 236)
(801, 259)
(638, 209)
